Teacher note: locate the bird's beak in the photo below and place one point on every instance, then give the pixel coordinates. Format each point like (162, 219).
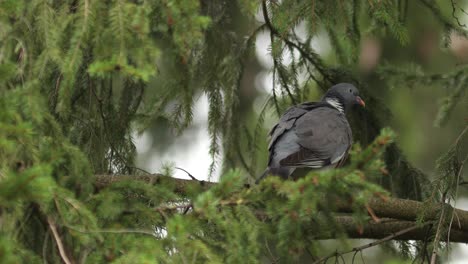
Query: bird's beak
(360, 101)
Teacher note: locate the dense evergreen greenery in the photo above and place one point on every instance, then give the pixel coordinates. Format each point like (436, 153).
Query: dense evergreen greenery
(77, 77)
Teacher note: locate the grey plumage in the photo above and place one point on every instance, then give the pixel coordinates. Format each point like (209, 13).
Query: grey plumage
(313, 135)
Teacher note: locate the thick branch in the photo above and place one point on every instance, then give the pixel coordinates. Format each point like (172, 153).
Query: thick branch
(403, 213)
(409, 210)
(388, 227)
(396, 230)
(103, 181)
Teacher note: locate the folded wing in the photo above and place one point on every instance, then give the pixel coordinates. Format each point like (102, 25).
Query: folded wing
(313, 135)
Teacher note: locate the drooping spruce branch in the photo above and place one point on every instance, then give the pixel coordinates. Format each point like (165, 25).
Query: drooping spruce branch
(310, 56)
(447, 22)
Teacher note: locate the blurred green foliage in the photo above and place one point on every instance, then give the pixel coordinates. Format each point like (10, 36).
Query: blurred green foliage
(77, 77)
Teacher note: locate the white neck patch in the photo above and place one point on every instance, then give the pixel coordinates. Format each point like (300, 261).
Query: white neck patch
(335, 103)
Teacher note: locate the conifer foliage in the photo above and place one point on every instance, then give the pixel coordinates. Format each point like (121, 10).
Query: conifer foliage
(77, 77)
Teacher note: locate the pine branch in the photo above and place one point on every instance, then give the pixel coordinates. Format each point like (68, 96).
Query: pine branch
(103, 181)
(404, 212)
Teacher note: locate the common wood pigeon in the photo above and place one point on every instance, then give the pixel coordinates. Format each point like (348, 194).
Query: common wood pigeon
(313, 135)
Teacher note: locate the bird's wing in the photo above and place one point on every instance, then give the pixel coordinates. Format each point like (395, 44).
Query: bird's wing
(286, 122)
(323, 137)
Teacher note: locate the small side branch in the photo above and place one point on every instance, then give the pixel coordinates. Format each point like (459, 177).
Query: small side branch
(438, 15)
(437, 237)
(454, 9)
(188, 173)
(58, 241)
(372, 244)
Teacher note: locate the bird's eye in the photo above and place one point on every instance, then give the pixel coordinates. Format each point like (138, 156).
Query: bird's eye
(351, 91)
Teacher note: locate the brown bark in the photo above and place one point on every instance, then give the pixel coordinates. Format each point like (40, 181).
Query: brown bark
(389, 226)
(409, 210)
(397, 214)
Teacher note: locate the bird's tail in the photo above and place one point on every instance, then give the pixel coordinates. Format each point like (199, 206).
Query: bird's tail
(282, 172)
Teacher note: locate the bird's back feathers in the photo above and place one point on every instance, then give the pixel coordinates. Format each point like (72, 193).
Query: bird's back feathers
(311, 135)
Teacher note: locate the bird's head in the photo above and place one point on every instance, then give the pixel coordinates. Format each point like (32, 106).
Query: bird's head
(343, 96)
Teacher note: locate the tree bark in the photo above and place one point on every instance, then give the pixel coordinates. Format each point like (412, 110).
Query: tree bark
(396, 214)
(390, 226)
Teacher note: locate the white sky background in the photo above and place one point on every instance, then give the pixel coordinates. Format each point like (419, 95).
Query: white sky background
(195, 158)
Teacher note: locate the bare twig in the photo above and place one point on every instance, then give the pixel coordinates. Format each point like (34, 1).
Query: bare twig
(44, 247)
(58, 241)
(432, 6)
(188, 173)
(389, 237)
(458, 179)
(372, 214)
(461, 135)
(438, 232)
(372, 244)
(454, 7)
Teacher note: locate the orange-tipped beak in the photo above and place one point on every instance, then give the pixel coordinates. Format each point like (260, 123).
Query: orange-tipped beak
(360, 101)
